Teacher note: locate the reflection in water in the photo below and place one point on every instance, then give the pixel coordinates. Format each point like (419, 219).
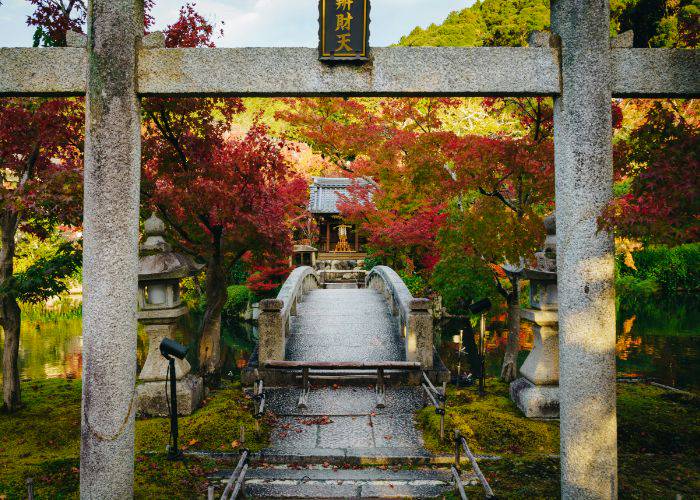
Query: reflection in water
(654, 339)
(53, 348)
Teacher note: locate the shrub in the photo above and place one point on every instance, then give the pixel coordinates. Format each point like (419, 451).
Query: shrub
(371, 261)
(414, 282)
(661, 269)
(463, 277)
(237, 301)
(190, 295)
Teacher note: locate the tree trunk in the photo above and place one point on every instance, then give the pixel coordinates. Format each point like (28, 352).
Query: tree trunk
(210, 341)
(509, 370)
(11, 317)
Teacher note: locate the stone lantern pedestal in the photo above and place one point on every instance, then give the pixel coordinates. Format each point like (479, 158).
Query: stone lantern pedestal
(160, 307)
(536, 392)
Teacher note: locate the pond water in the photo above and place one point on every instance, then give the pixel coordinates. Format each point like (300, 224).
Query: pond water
(52, 348)
(659, 340)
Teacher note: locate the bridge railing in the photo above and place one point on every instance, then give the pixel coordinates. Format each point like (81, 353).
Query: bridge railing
(276, 314)
(416, 322)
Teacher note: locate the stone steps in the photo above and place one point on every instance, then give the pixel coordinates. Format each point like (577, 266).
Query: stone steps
(319, 481)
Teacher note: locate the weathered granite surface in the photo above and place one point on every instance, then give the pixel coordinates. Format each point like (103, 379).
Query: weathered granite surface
(110, 249)
(276, 314)
(535, 401)
(343, 421)
(417, 71)
(585, 260)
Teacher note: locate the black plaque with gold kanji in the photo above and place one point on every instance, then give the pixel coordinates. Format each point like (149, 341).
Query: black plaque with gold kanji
(344, 30)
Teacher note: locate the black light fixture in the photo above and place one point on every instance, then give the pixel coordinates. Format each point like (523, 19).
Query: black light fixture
(481, 307)
(171, 350)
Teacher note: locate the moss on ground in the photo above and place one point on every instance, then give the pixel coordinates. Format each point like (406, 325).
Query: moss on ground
(491, 425)
(658, 440)
(42, 441)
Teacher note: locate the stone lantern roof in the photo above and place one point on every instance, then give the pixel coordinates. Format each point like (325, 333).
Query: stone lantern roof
(157, 260)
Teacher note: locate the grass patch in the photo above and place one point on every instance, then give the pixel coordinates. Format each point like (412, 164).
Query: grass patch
(42, 441)
(658, 440)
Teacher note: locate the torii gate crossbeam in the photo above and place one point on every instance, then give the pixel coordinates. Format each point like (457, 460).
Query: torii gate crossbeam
(582, 74)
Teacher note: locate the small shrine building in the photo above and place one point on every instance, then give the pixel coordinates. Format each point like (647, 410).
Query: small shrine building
(337, 239)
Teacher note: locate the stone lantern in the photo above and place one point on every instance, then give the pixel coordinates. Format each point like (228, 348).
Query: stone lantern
(160, 308)
(536, 392)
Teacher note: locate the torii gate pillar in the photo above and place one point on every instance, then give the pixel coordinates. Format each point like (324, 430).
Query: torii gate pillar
(585, 256)
(110, 258)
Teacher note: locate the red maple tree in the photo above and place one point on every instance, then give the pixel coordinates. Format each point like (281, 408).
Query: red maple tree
(658, 173)
(41, 159)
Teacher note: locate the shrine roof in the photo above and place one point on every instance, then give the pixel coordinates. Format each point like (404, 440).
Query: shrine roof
(324, 193)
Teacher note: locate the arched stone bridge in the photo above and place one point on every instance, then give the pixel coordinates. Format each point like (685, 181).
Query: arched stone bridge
(380, 322)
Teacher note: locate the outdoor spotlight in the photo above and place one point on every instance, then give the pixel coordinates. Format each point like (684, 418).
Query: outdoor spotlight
(171, 350)
(481, 307)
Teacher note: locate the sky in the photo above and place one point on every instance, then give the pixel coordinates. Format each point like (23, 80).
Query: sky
(263, 23)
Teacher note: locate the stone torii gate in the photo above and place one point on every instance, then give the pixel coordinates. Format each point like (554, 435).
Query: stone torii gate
(576, 66)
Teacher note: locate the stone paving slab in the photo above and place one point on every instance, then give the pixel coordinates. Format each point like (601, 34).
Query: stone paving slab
(395, 431)
(289, 433)
(346, 432)
(346, 489)
(344, 325)
(341, 456)
(350, 348)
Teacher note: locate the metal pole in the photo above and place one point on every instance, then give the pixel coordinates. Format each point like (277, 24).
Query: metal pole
(459, 356)
(482, 354)
(174, 452)
(30, 488)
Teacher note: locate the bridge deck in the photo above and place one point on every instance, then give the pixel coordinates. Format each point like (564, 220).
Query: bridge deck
(344, 325)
